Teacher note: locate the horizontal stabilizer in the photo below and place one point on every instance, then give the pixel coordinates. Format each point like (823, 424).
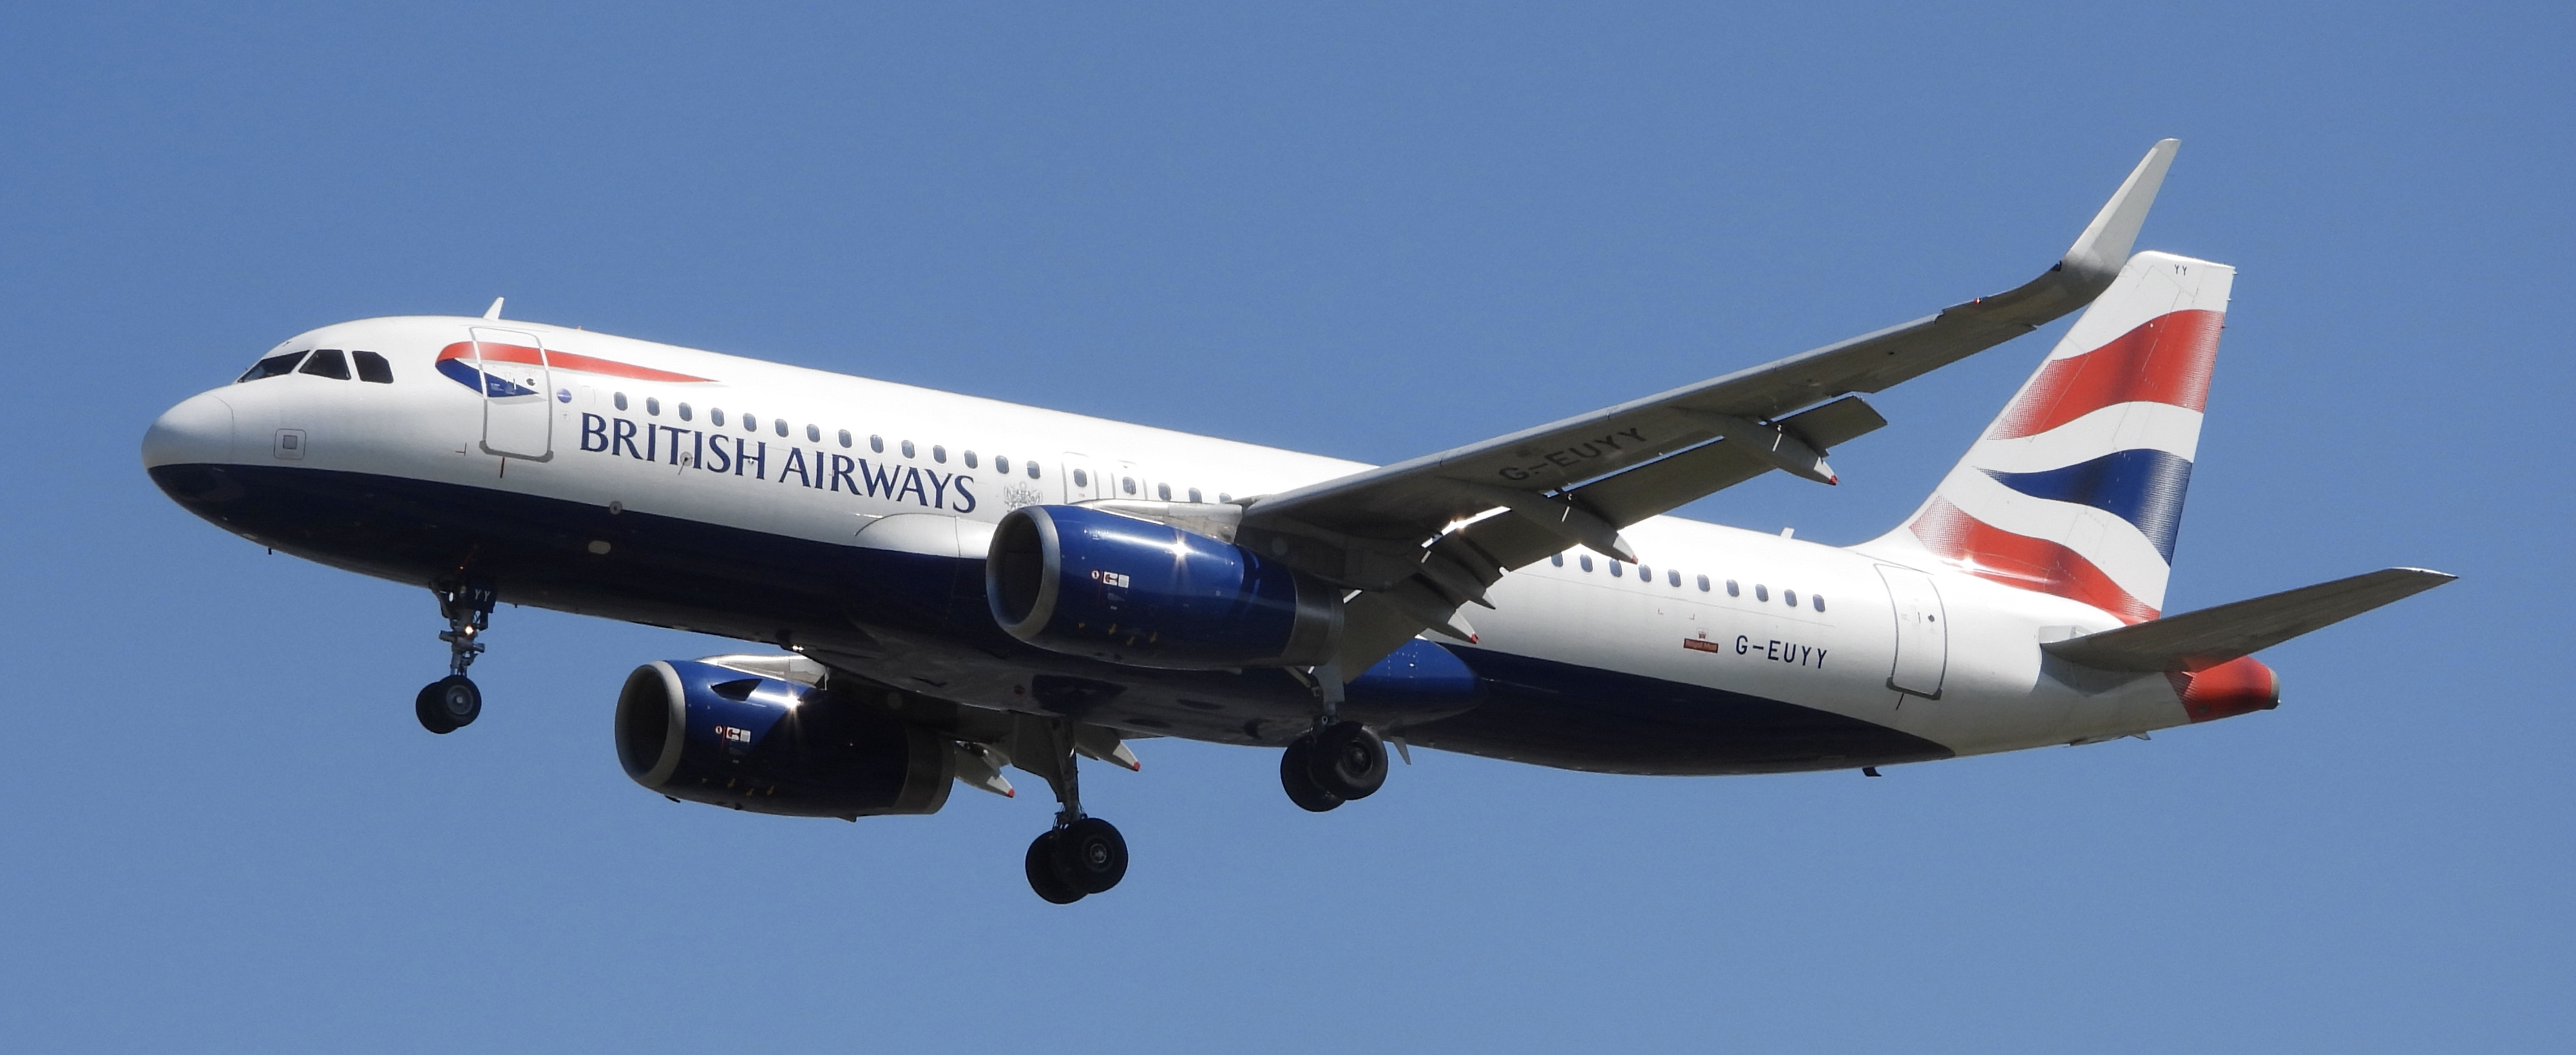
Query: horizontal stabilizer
(2206, 638)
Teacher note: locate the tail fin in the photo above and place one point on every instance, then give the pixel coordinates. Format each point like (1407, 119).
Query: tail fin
(2076, 490)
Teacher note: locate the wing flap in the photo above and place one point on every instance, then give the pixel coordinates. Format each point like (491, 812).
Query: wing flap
(2199, 640)
(1375, 623)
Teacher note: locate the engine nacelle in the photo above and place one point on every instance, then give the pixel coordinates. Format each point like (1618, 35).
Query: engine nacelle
(707, 733)
(1087, 582)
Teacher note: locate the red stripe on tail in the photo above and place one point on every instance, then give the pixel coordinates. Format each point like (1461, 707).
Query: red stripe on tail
(2165, 360)
(1990, 552)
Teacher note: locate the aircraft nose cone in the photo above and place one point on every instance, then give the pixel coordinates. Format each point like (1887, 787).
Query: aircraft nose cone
(199, 431)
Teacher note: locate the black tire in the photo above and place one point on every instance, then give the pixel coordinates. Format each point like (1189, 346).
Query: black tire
(1090, 855)
(1297, 774)
(1041, 867)
(427, 706)
(1349, 761)
(455, 700)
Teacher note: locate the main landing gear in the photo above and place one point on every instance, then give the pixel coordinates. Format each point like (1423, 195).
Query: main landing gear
(1081, 855)
(453, 702)
(1337, 761)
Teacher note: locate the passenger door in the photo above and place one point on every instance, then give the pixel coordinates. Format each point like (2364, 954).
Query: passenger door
(518, 394)
(1922, 632)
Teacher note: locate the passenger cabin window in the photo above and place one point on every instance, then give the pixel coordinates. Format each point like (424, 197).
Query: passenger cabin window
(372, 367)
(653, 406)
(1761, 592)
(907, 448)
(1645, 574)
(970, 459)
(1557, 559)
(813, 434)
(1703, 584)
(1033, 470)
(1618, 570)
(750, 423)
(939, 454)
(1194, 494)
(271, 366)
(1585, 561)
(684, 412)
(1081, 479)
(845, 437)
(1675, 579)
(1817, 600)
(621, 405)
(1128, 483)
(779, 425)
(329, 362)
(1163, 491)
(1731, 591)
(877, 444)
(715, 415)
(1002, 464)
(1224, 497)
(1790, 596)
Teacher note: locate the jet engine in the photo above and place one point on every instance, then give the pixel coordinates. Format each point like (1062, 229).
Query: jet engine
(1093, 583)
(710, 733)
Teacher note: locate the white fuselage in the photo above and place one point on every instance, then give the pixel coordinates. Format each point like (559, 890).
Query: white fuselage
(839, 461)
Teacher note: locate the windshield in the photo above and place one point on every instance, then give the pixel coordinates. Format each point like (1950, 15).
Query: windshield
(272, 366)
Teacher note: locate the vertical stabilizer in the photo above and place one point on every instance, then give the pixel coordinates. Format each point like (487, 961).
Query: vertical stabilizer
(2077, 488)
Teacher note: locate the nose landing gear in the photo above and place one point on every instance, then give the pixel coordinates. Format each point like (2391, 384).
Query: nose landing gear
(453, 702)
(448, 704)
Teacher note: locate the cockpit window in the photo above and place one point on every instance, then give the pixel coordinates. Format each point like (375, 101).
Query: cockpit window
(372, 367)
(272, 366)
(327, 363)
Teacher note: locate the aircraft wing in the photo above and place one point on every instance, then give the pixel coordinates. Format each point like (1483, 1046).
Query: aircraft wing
(1394, 533)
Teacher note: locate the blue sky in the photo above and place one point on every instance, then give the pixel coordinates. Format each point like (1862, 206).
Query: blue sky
(1366, 232)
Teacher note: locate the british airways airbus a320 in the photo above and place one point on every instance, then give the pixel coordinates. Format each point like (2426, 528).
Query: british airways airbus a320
(955, 585)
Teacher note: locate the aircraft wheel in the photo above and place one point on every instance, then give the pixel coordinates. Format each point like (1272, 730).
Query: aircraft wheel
(448, 704)
(1297, 774)
(1043, 876)
(1348, 761)
(1090, 855)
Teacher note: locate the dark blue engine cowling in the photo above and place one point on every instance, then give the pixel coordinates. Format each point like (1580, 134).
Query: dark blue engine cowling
(717, 735)
(1087, 582)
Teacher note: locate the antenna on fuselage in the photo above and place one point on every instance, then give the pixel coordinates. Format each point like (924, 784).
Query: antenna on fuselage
(494, 311)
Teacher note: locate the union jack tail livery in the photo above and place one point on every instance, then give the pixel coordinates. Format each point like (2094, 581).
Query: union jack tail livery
(2076, 489)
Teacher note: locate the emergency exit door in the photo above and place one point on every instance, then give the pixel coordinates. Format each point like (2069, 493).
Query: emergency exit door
(1081, 484)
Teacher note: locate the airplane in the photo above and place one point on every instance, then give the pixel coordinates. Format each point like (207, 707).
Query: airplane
(951, 586)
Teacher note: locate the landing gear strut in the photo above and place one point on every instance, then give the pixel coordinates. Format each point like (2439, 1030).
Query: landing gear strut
(1337, 761)
(1081, 855)
(453, 702)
